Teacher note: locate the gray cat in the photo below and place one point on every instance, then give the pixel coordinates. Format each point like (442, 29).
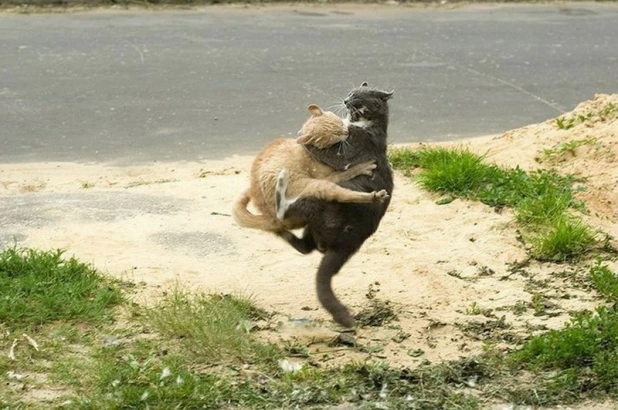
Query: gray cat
(336, 229)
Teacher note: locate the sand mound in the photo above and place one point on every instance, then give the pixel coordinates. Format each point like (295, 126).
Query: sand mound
(583, 143)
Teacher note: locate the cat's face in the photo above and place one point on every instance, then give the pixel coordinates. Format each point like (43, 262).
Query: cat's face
(366, 103)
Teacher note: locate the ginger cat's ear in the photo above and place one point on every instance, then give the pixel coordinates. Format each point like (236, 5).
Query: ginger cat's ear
(304, 139)
(315, 110)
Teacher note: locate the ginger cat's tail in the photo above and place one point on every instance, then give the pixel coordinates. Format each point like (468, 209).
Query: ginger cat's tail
(246, 219)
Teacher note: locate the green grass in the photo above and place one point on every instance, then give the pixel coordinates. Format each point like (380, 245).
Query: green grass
(604, 281)
(132, 380)
(546, 207)
(199, 350)
(567, 147)
(213, 328)
(609, 111)
(579, 360)
(459, 173)
(464, 174)
(566, 123)
(169, 383)
(48, 298)
(565, 239)
(582, 354)
(211, 360)
(542, 200)
(39, 287)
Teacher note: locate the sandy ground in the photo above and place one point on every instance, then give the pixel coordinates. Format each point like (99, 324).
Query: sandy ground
(166, 224)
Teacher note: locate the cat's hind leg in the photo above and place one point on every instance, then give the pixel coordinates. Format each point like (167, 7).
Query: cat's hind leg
(282, 203)
(329, 191)
(305, 245)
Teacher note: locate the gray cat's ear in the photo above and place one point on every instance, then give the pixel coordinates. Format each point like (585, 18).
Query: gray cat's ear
(364, 84)
(386, 95)
(315, 110)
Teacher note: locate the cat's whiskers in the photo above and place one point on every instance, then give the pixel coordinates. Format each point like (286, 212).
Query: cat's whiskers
(334, 106)
(343, 147)
(339, 108)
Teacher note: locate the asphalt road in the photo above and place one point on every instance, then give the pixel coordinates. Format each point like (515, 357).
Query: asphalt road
(132, 86)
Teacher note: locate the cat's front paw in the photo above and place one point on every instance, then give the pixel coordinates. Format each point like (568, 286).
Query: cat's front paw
(367, 168)
(380, 196)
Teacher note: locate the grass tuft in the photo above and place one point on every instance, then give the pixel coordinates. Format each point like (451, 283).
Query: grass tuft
(213, 328)
(567, 238)
(546, 207)
(39, 287)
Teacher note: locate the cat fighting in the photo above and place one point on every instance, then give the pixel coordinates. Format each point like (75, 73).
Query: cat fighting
(355, 162)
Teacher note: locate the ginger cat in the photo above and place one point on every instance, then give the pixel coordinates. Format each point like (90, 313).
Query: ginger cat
(287, 161)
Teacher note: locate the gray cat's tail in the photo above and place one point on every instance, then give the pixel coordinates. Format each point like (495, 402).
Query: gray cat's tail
(246, 219)
(329, 266)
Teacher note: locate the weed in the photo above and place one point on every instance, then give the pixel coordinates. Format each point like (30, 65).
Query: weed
(484, 271)
(474, 309)
(455, 172)
(135, 381)
(445, 200)
(377, 312)
(540, 304)
(400, 336)
(456, 274)
(564, 123)
(604, 281)
(567, 147)
(404, 159)
(510, 187)
(609, 111)
(519, 308)
(142, 380)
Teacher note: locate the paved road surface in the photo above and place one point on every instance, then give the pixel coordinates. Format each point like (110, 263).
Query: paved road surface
(139, 86)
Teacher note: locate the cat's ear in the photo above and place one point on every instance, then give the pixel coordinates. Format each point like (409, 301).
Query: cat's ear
(304, 139)
(385, 96)
(315, 110)
(364, 84)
